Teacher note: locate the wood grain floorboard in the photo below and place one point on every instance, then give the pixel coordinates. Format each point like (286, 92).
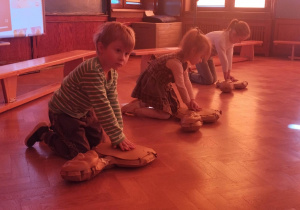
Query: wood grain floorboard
(249, 159)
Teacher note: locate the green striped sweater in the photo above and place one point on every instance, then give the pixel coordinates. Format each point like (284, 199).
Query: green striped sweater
(86, 87)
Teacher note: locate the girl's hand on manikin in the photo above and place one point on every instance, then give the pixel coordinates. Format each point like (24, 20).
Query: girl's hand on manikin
(233, 79)
(194, 105)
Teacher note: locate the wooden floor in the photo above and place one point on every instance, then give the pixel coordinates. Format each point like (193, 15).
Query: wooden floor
(249, 159)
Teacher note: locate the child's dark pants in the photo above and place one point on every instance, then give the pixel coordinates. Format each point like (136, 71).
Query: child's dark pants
(69, 136)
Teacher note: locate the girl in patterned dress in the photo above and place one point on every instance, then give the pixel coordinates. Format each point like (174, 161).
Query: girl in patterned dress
(155, 96)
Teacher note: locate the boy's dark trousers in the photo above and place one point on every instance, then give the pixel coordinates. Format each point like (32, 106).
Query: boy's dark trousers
(69, 136)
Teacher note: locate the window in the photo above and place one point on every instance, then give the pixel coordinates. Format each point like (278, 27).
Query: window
(133, 2)
(211, 3)
(233, 4)
(249, 4)
(128, 4)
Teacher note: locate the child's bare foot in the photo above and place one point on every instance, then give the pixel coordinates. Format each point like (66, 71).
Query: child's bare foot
(130, 107)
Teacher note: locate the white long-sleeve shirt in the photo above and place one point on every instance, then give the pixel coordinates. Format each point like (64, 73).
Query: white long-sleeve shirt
(220, 42)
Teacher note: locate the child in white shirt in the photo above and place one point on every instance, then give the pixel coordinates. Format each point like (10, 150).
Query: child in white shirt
(222, 45)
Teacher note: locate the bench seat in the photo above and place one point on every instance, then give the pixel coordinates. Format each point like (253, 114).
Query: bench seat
(9, 74)
(293, 43)
(247, 48)
(155, 51)
(147, 54)
(246, 53)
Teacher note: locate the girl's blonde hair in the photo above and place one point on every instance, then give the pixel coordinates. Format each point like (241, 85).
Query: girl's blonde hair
(113, 31)
(241, 27)
(195, 39)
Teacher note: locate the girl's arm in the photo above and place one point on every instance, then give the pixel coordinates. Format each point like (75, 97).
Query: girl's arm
(224, 62)
(225, 53)
(177, 70)
(228, 76)
(193, 104)
(183, 83)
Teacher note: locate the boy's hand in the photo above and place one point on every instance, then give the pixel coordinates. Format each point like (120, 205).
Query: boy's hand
(125, 145)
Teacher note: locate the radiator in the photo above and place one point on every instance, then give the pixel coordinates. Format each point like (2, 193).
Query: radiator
(257, 33)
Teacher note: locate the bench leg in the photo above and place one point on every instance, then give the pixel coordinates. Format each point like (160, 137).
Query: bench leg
(71, 65)
(9, 87)
(293, 57)
(247, 52)
(293, 52)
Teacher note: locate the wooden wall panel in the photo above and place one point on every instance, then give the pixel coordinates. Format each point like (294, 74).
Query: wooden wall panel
(18, 50)
(65, 33)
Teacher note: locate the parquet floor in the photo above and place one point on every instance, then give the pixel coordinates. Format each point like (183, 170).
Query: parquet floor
(249, 159)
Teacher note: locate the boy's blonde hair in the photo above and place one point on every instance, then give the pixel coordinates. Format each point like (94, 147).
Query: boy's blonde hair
(195, 39)
(241, 27)
(112, 31)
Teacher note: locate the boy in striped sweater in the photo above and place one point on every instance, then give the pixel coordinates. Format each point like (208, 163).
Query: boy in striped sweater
(87, 101)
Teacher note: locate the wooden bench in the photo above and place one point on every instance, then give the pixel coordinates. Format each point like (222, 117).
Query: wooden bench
(9, 74)
(147, 54)
(246, 53)
(247, 48)
(293, 43)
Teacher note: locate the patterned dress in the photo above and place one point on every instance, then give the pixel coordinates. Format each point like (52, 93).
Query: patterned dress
(154, 86)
